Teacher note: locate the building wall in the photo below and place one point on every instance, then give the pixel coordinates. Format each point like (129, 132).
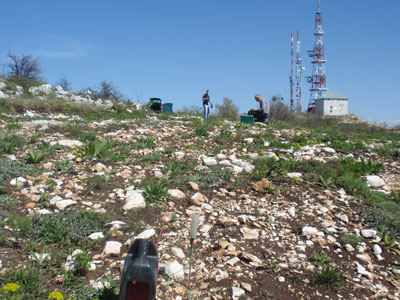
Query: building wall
(328, 107)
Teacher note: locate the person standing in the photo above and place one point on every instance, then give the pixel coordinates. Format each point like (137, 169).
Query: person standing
(206, 104)
(261, 114)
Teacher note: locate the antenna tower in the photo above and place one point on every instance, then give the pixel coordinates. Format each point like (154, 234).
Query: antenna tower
(318, 78)
(291, 77)
(299, 69)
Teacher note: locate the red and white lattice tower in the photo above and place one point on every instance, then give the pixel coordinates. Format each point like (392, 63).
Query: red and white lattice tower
(318, 78)
(299, 70)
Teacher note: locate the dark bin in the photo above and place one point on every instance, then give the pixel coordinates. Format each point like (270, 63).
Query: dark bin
(139, 277)
(167, 107)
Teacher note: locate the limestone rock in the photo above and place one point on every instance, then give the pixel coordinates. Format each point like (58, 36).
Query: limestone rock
(112, 248)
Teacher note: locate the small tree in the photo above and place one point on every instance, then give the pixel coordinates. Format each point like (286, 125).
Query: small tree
(23, 66)
(64, 83)
(109, 91)
(280, 112)
(194, 109)
(228, 109)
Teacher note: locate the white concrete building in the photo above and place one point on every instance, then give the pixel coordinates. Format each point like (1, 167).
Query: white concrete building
(332, 104)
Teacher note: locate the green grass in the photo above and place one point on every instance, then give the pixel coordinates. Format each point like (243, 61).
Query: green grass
(352, 239)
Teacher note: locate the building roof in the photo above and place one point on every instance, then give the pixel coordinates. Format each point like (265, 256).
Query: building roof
(332, 96)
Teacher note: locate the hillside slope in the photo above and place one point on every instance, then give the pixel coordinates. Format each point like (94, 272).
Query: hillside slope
(285, 212)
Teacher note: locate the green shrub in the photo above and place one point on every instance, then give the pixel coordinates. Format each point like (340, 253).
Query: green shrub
(382, 217)
(82, 263)
(74, 226)
(144, 143)
(10, 142)
(155, 190)
(328, 276)
(35, 156)
(98, 148)
(320, 259)
(10, 169)
(353, 184)
(352, 239)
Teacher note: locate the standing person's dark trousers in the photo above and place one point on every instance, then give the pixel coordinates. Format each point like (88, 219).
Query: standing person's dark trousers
(258, 115)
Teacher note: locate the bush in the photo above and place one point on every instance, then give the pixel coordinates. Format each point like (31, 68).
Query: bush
(228, 110)
(280, 112)
(10, 169)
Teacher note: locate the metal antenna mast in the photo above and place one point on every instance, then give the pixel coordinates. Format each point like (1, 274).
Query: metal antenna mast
(299, 69)
(291, 78)
(318, 78)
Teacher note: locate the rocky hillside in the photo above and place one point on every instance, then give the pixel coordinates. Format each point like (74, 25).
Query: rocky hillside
(286, 212)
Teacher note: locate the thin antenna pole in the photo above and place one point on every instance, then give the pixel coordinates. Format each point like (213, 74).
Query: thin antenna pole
(291, 77)
(299, 69)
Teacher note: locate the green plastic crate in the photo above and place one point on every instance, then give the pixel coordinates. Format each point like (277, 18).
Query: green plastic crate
(246, 119)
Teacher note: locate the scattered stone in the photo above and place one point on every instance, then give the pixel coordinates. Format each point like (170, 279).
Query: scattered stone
(177, 194)
(307, 231)
(96, 236)
(249, 234)
(198, 199)
(375, 181)
(112, 248)
(175, 270)
(237, 293)
(368, 233)
(263, 184)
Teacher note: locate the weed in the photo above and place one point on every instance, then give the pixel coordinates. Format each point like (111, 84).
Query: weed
(10, 142)
(65, 166)
(71, 227)
(352, 239)
(382, 217)
(320, 259)
(29, 278)
(35, 156)
(144, 143)
(266, 294)
(82, 261)
(98, 148)
(388, 241)
(95, 183)
(328, 276)
(353, 184)
(326, 182)
(155, 190)
(6, 200)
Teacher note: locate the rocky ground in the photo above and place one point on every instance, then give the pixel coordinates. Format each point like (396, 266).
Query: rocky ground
(271, 238)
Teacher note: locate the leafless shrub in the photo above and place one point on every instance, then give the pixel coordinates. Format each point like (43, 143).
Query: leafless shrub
(23, 66)
(280, 112)
(64, 83)
(194, 110)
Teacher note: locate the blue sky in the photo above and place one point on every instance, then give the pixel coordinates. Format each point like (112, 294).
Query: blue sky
(177, 49)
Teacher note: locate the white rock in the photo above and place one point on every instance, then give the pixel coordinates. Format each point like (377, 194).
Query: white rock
(368, 233)
(112, 248)
(178, 252)
(249, 234)
(55, 199)
(210, 162)
(292, 211)
(177, 194)
(329, 150)
(349, 248)
(175, 271)
(237, 293)
(294, 174)
(2, 85)
(146, 234)
(96, 236)
(233, 261)
(134, 199)
(116, 224)
(219, 275)
(69, 143)
(307, 230)
(343, 217)
(375, 181)
(377, 249)
(63, 204)
(281, 279)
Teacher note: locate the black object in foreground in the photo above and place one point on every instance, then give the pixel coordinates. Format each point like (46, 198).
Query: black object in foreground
(139, 278)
